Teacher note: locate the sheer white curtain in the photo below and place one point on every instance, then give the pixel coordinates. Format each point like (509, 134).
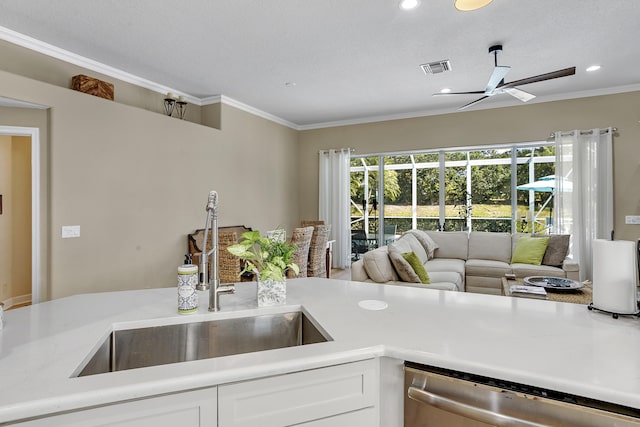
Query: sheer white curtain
(334, 200)
(584, 191)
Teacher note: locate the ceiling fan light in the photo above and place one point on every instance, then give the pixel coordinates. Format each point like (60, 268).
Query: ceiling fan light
(467, 5)
(409, 4)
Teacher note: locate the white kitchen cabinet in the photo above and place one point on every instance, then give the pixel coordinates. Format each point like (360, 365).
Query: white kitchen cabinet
(189, 409)
(341, 395)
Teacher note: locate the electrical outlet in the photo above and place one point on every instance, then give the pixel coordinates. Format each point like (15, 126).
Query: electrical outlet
(69, 231)
(632, 219)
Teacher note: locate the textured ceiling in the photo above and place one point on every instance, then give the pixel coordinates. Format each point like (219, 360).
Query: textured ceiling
(349, 60)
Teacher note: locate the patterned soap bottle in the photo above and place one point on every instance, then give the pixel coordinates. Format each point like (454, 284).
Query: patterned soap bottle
(187, 294)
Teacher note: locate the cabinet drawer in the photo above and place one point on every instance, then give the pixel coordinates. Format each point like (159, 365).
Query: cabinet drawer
(299, 397)
(367, 417)
(189, 409)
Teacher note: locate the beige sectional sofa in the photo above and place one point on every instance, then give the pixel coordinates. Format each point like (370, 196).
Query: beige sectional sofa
(461, 261)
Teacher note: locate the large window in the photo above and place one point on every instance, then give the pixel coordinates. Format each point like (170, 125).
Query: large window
(479, 189)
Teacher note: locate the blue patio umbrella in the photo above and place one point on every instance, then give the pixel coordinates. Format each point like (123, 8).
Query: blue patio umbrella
(546, 184)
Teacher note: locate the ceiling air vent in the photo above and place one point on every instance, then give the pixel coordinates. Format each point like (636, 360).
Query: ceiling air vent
(436, 67)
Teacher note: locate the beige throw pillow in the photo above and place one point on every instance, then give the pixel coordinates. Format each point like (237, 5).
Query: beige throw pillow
(426, 241)
(378, 266)
(402, 266)
(408, 242)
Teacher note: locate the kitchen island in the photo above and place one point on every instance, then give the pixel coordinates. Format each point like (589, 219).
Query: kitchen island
(546, 344)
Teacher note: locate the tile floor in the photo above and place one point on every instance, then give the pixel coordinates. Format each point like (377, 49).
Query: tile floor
(341, 274)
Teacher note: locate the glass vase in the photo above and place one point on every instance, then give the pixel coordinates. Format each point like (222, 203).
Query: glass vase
(271, 292)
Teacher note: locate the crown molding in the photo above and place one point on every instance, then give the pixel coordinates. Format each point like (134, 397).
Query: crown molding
(81, 61)
(223, 99)
(502, 104)
(70, 57)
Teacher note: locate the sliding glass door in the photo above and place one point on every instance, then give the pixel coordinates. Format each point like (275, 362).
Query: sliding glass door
(479, 189)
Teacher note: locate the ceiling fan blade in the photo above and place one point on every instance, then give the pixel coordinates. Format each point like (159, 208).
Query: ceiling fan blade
(477, 92)
(542, 77)
(496, 77)
(519, 94)
(472, 103)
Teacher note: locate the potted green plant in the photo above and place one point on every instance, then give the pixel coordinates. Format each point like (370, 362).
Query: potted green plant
(269, 259)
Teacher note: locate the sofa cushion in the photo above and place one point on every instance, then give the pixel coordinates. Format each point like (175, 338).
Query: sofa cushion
(557, 249)
(445, 286)
(409, 243)
(524, 270)
(484, 285)
(445, 265)
(378, 265)
(486, 268)
(417, 266)
(530, 250)
(358, 273)
(429, 245)
(439, 277)
(490, 246)
(451, 244)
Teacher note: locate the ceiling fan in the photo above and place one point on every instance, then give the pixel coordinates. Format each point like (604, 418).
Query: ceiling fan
(496, 84)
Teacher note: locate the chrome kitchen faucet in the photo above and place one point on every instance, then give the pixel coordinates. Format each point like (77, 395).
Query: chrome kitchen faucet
(212, 283)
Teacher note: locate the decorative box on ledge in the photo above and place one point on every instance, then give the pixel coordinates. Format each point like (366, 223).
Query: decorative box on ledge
(92, 86)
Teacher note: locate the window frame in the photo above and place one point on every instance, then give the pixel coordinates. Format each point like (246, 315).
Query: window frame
(441, 165)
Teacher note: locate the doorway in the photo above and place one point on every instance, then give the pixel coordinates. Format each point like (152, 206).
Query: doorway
(20, 214)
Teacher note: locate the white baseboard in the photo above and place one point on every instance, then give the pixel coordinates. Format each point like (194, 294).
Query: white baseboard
(21, 299)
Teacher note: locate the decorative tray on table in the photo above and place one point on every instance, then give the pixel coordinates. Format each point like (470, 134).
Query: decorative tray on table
(553, 283)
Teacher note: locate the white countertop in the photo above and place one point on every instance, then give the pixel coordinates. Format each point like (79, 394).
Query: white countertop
(559, 346)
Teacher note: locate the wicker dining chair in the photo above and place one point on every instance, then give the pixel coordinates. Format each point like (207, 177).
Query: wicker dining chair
(311, 223)
(228, 264)
(301, 237)
(318, 251)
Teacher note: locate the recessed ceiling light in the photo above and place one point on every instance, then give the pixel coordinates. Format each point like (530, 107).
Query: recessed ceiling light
(409, 4)
(445, 90)
(593, 68)
(467, 5)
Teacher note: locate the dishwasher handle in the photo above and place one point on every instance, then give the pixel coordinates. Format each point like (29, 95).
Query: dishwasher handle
(468, 411)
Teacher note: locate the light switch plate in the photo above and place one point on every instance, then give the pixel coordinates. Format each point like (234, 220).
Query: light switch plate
(69, 231)
(632, 219)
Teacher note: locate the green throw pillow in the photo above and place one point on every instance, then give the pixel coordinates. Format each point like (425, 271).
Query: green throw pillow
(417, 266)
(530, 250)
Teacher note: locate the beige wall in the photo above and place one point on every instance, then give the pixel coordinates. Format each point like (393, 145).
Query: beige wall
(525, 123)
(137, 182)
(21, 211)
(5, 218)
(15, 221)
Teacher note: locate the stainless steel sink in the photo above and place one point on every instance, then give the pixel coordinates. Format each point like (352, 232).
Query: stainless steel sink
(160, 345)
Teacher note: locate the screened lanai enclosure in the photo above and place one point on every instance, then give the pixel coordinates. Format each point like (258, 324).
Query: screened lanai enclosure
(472, 189)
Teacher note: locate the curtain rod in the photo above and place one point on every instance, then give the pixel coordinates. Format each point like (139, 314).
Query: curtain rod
(584, 132)
(351, 150)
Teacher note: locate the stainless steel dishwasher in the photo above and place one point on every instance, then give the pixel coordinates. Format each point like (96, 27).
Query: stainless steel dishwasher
(443, 398)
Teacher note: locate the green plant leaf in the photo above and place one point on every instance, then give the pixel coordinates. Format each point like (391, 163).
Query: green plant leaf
(269, 259)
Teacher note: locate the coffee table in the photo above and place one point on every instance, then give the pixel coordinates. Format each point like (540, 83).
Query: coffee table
(583, 295)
